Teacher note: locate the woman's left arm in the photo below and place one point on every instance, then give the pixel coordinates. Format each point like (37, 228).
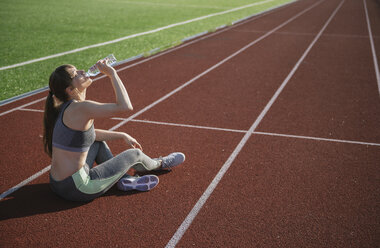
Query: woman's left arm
(106, 135)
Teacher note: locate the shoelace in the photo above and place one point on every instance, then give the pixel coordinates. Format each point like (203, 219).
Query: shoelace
(165, 163)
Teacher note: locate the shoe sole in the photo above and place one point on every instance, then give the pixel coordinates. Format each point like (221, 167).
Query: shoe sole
(144, 183)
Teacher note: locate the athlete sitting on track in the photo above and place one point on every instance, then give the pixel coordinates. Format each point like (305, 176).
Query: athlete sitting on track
(74, 144)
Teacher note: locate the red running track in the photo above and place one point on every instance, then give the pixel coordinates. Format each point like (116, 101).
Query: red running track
(281, 137)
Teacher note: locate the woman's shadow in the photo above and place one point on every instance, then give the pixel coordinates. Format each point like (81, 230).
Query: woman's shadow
(35, 199)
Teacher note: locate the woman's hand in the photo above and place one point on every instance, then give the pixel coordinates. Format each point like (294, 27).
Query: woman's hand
(104, 68)
(132, 142)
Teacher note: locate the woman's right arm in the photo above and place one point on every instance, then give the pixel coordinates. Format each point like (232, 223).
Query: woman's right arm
(122, 102)
(122, 98)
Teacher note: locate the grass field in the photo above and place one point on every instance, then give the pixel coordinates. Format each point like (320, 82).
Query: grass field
(32, 29)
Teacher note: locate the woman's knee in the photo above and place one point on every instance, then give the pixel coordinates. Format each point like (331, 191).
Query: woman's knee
(139, 160)
(135, 154)
(103, 145)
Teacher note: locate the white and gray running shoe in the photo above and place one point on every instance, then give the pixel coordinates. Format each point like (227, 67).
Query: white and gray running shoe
(172, 160)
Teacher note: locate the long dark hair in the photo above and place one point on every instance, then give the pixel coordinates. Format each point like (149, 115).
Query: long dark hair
(59, 80)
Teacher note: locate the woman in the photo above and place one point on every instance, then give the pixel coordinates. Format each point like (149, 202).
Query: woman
(73, 143)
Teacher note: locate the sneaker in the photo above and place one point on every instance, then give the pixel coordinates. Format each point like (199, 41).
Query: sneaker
(172, 160)
(144, 183)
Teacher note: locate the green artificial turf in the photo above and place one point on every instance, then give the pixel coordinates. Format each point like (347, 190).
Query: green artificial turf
(32, 29)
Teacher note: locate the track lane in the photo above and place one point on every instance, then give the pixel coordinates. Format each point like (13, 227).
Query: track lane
(300, 193)
(202, 200)
(283, 192)
(134, 220)
(334, 95)
(256, 73)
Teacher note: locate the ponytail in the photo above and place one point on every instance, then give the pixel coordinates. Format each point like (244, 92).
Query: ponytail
(50, 117)
(59, 80)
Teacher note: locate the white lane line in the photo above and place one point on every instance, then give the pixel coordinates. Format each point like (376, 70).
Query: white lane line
(25, 182)
(132, 36)
(177, 89)
(318, 139)
(169, 5)
(194, 212)
(246, 20)
(32, 110)
(184, 125)
(255, 132)
(376, 65)
(353, 36)
(22, 106)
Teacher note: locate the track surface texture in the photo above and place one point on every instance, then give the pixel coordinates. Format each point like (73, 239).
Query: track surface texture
(278, 116)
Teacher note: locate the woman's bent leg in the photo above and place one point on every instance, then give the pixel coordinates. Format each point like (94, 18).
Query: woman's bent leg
(88, 184)
(104, 153)
(105, 175)
(99, 152)
(134, 158)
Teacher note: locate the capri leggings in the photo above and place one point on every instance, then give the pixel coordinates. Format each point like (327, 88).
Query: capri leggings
(88, 183)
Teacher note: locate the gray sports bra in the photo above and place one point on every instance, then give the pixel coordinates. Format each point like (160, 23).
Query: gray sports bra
(71, 140)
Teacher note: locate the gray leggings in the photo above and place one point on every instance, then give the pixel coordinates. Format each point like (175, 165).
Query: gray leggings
(89, 183)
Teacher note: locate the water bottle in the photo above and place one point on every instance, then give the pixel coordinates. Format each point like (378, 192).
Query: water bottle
(93, 71)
